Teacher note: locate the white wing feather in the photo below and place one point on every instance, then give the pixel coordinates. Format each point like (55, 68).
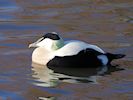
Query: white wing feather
(73, 47)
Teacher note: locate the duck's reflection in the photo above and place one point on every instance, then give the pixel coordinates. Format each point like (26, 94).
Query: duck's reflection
(52, 76)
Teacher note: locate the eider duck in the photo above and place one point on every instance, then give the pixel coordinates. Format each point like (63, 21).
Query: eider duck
(51, 50)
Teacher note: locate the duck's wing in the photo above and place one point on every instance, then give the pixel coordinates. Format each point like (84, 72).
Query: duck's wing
(74, 47)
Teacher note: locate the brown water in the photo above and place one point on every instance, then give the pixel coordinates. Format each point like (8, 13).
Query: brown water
(106, 23)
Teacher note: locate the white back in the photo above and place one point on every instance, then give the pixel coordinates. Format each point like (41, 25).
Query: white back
(73, 47)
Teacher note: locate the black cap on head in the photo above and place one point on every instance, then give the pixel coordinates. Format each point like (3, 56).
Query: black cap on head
(52, 36)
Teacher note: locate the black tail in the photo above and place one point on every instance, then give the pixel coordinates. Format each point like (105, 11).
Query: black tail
(114, 56)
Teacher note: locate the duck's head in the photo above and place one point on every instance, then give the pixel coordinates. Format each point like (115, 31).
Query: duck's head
(50, 41)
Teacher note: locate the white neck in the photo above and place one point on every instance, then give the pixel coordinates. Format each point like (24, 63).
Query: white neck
(57, 44)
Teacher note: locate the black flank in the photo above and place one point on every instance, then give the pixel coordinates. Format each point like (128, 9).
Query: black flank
(85, 58)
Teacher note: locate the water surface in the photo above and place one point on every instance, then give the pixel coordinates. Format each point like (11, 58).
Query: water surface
(108, 24)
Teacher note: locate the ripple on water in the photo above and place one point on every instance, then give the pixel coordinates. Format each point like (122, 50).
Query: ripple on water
(8, 6)
(10, 95)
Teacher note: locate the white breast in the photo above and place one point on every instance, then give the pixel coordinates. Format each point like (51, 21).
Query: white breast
(41, 56)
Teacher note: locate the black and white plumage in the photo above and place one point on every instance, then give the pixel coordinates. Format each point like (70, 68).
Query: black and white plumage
(53, 51)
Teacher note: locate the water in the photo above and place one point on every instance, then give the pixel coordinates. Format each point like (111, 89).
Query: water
(107, 24)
